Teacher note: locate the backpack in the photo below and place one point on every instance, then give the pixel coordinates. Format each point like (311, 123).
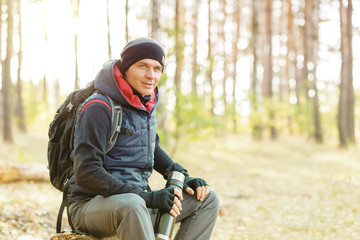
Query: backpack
(61, 140)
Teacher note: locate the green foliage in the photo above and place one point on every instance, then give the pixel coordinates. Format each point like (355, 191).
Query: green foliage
(255, 123)
(21, 155)
(272, 113)
(33, 105)
(163, 80)
(194, 122)
(292, 118)
(329, 120)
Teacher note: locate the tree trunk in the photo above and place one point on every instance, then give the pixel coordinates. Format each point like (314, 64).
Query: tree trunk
(311, 47)
(307, 48)
(155, 20)
(194, 64)
(75, 6)
(108, 28)
(23, 172)
(291, 69)
(6, 81)
(307, 53)
(1, 22)
(342, 99)
(351, 97)
(156, 34)
(20, 106)
(1, 96)
(57, 92)
(178, 59)
(77, 80)
(236, 20)
(268, 72)
(315, 49)
(256, 124)
(291, 43)
(346, 100)
(44, 93)
(127, 38)
(210, 59)
(179, 50)
(225, 57)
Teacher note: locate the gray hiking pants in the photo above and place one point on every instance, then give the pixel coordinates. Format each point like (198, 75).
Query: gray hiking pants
(126, 216)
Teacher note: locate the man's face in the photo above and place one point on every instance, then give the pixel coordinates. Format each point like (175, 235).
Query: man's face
(144, 75)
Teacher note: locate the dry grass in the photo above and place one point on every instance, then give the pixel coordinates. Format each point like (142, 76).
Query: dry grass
(288, 189)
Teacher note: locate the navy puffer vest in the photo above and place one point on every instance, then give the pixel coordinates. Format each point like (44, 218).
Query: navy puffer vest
(132, 157)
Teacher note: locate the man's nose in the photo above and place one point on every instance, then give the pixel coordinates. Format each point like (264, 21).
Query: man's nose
(150, 73)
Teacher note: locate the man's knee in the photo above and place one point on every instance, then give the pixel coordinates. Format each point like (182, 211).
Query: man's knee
(133, 216)
(213, 201)
(131, 202)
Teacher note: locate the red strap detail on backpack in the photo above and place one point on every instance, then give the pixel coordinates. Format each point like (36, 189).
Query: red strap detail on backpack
(92, 101)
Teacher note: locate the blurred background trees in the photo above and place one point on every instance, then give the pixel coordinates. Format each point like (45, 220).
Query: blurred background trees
(266, 68)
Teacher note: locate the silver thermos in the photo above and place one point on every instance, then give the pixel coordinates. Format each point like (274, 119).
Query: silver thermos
(164, 224)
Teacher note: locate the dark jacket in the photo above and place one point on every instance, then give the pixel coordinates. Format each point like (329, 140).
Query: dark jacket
(129, 164)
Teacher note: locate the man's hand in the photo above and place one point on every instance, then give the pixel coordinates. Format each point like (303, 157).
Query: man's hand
(167, 199)
(196, 184)
(176, 208)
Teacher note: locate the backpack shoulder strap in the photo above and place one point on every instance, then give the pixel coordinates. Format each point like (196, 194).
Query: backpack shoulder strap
(116, 119)
(61, 209)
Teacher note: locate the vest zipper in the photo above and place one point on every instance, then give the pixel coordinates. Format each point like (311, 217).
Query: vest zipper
(149, 140)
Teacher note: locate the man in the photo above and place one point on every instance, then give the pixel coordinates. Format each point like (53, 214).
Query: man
(109, 193)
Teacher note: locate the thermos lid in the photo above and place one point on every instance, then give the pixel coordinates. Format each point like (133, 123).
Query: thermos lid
(177, 176)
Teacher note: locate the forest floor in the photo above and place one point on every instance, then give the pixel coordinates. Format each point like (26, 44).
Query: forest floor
(285, 189)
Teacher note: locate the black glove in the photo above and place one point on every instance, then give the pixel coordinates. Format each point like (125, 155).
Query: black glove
(194, 183)
(161, 199)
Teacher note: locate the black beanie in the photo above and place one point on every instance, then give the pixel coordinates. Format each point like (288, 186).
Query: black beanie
(138, 49)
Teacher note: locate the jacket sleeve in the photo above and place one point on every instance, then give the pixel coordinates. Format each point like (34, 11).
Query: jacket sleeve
(163, 163)
(90, 139)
